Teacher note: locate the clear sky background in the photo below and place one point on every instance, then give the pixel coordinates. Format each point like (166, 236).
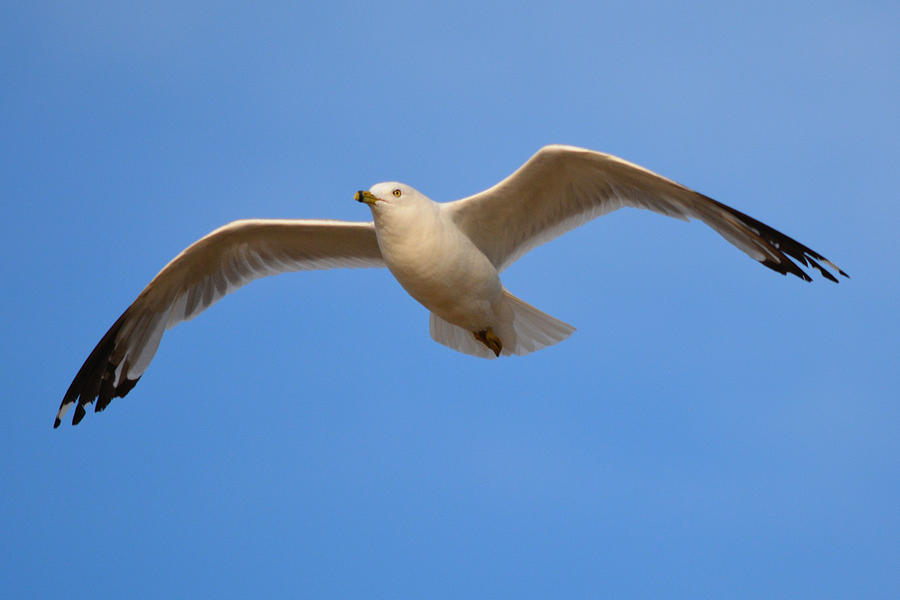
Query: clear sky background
(712, 429)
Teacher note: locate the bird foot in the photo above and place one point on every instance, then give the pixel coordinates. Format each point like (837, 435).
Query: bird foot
(489, 339)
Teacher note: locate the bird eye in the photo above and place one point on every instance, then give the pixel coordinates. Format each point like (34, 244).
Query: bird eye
(396, 193)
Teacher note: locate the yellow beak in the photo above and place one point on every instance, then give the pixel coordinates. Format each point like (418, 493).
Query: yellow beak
(364, 196)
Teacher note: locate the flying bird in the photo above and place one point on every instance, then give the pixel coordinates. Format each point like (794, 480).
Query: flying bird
(448, 256)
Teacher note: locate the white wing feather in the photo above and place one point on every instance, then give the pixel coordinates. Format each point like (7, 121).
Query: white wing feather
(210, 268)
(562, 187)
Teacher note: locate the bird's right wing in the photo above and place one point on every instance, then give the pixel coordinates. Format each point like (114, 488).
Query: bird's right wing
(202, 274)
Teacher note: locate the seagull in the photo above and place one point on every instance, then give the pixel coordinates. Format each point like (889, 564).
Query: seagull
(448, 256)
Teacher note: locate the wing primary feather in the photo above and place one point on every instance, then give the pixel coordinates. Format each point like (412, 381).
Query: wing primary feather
(562, 187)
(199, 276)
(95, 373)
(783, 247)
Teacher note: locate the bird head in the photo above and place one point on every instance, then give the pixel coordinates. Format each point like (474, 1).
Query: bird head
(390, 193)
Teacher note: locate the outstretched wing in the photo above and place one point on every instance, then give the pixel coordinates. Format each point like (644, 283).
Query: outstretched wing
(202, 274)
(562, 187)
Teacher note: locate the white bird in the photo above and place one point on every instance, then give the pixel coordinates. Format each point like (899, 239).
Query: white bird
(448, 256)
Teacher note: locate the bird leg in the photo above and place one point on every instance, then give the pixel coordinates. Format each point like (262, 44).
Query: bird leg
(489, 339)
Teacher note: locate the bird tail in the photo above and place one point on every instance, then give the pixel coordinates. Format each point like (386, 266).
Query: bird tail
(534, 329)
(526, 330)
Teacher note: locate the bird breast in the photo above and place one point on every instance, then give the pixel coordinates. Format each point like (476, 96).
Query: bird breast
(438, 265)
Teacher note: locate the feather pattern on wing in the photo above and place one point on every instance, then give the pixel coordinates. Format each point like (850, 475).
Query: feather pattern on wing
(562, 187)
(215, 265)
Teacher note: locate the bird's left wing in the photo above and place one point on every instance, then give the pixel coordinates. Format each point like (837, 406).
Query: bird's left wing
(202, 274)
(562, 187)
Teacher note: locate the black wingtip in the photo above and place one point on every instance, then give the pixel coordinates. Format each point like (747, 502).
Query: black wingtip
(784, 249)
(56, 422)
(95, 377)
(79, 414)
(822, 270)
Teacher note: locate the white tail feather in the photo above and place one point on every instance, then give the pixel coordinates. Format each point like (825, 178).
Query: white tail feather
(529, 330)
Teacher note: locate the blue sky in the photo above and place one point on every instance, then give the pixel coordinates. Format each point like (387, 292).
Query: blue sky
(711, 430)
